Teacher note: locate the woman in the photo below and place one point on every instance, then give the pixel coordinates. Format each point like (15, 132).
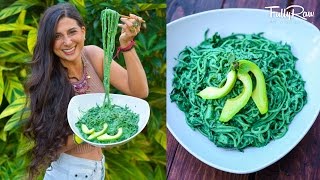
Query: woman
(61, 68)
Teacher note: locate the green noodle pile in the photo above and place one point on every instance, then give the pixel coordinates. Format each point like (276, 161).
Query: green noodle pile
(208, 64)
(115, 116)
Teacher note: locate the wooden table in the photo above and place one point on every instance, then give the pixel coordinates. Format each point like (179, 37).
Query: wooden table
(303, 162)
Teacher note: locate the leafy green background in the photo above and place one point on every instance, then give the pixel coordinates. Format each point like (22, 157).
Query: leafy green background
(143, 157)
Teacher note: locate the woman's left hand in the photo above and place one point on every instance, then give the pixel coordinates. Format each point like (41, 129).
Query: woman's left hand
(130, 28)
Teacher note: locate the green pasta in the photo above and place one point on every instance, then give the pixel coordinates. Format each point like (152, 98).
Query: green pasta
(115, 116)
(208, 64)
(109, 20)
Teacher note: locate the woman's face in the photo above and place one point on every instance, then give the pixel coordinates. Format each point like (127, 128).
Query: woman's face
(69, 40)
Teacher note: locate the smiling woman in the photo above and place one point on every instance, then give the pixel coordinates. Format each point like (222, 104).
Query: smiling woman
(69, 40)
(68, 44)
(61, 68)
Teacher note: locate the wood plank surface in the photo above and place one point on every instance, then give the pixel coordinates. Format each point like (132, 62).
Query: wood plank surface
(180, 8)
(310, 6)
(303, 162)
(254, 4)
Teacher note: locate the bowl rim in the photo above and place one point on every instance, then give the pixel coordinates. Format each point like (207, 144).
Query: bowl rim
(185, 18)
(111, 96)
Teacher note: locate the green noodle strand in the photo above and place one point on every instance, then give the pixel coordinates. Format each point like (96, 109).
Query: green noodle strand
(115, 116)
(208, 64)
(109, 20)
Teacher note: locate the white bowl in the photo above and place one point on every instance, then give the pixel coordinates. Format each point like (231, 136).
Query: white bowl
(304, 39)
(81, 103)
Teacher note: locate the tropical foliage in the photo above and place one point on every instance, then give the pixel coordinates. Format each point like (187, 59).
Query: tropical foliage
(143, 157)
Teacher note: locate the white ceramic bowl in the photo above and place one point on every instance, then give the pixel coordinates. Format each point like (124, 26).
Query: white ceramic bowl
(304, 39)
(82, 103)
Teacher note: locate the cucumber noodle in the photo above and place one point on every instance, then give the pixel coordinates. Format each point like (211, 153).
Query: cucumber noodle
(109, 20)
(208, 64)
(115, 116)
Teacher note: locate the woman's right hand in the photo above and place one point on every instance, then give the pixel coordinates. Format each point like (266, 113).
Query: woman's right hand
(130, 29)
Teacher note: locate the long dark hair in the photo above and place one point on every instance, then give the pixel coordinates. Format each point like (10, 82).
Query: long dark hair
(49, 92)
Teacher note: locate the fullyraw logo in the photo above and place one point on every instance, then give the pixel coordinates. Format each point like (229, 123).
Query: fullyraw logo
(297, 11)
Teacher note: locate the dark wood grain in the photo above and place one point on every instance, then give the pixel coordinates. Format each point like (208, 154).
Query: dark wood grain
(180, 8)
(303, 162)
(254, 4)
(311, 6)
(172, 146)
(185, 166)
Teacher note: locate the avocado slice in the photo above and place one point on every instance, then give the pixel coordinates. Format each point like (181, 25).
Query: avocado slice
(86, 130)
(234, 105)
(106, 136)
(96, 134)
(215, 93)
(259, 94)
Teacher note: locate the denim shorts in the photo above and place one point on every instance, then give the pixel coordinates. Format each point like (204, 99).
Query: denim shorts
(69, 167)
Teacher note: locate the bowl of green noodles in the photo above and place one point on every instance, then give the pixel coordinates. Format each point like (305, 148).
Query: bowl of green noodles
(107, 124)
(202, 49)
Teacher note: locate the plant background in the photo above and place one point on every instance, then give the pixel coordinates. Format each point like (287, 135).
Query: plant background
(142, 158)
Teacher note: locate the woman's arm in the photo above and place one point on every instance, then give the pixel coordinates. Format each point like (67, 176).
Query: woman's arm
(132, 80)
(135, 75)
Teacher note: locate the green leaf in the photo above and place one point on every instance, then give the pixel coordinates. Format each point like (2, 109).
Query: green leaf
(16, 119)
(13, 87)
(147, 169)
(14, 27)
(8, 68)
(1, 85)
(14, 107)
(12, 39)
(23, 73)
(80, 4)
(159, 46)
(16, 8)
(25, 145)
(150, 6)
(122, 168)
(159, 102)
(161, 138)
(159, 157)
(157, 90)
(151, 41)
(156, 119)
(163, 69)
(156, 63)
(20, 21)
(3, 135)
(142, 41)
(3, 159)
(160, 173)
(32, 39)
(15, 57)
(137, 154)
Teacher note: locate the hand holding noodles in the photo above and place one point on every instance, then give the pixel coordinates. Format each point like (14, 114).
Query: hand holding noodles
(107, 119)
